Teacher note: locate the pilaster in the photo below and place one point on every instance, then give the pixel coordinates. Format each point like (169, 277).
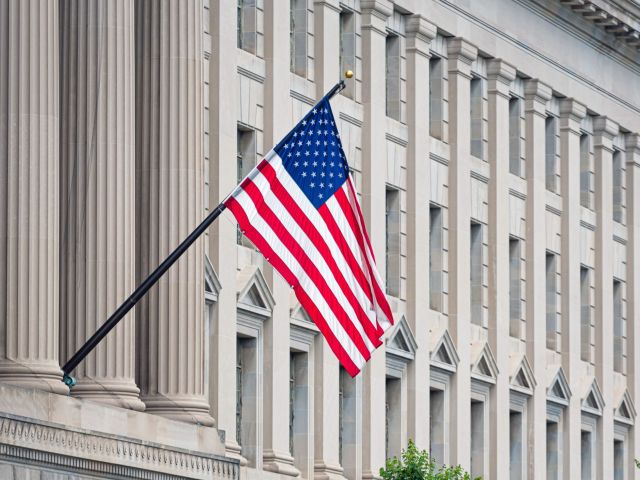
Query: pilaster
(420, 32)
(326, 16)
(461, 55)
(29, 195)
(537, 95)
(276, 455)
(633, 287)
(374, 16)
(169, 185)
(222, 234)
(604, 132)
(500, 76)
(571, 114)
(98, 194)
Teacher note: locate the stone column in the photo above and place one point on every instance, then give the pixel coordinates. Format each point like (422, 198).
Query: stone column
(461, 54)
(604, 132)
(29, 195)
(222, 234)
(276, 455)
(374, 161)
(500, 75)
(633, 287)
(326, 14)
(169, 184)
(571, 113)
(420, 32)
(97, 269)
(537, 95)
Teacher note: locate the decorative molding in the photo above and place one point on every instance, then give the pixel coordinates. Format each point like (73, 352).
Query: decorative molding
(253, 292)
(554, 210)
(249, 74)
(517, 194)
(544, 58)
(25, 440)
(302, 97)
(350, 119)
(522, 379)
(483, 366)
(592, 400)
(401, 348)
(443, 354)
(625, 412)
(587, 225)
(400, 141)
(479, 176)
(212, 284)
(439, 159)
(558, 390)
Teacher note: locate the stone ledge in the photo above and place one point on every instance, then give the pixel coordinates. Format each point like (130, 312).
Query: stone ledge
(30, 434)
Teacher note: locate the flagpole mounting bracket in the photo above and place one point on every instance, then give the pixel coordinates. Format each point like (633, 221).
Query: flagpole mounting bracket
(69, 381)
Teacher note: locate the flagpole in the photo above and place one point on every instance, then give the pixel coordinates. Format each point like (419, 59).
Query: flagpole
(151, 280)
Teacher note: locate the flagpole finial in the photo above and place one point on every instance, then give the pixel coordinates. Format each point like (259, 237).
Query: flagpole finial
(348, 73)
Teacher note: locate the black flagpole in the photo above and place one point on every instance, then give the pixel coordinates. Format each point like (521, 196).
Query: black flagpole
(151, 280)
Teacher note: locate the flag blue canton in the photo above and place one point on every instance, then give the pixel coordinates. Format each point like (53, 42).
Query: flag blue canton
(312, 155)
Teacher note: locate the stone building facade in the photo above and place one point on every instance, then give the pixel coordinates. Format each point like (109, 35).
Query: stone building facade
(496, 148)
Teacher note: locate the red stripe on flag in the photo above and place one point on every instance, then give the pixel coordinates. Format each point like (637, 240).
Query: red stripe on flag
(308, 266)
(308, 304)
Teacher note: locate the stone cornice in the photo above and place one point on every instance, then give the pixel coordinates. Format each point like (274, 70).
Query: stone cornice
(632, 143)
(620, 18)
(34, 441)
(571, 113)
(536, 94)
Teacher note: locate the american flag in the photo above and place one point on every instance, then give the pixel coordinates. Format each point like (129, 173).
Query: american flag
(299, 208)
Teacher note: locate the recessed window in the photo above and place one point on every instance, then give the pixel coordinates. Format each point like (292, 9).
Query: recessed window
(298, 19)
(477, 147)
(515, 445)
(515, 287)
(437, 440)
(585, 314)
(619, 328)
(247, 35)
(618, 187)
(476, 269)
(586, 452)
(393, 241)
(552, 450)
(552, 300)
(435, 258)
(393, 418)
(515, 142)
(435, 97)
(392, 60)
(347, 52)
(550, 154)
(477, 438)
(586, 172)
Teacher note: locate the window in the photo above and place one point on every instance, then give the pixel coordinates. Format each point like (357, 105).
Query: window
(550, 154)
(585, 314)
(245, 161)
(552, 300)
(437, 426)
(246, 398)
(586, 452)
(299, 412)
(247, 35)
(348, 48)
(348, 437)
(552, 450)
(515, 445)
(393, 241)
(618, 187)
(619, 327)
(476, 274)
(393, 102)
(515, 287)
(435, 258)
(393, 418)
(298, 36)
(477, 147)
(515, 162)
(586, 172)
(618, 460)
(477, 438)
(435, 97)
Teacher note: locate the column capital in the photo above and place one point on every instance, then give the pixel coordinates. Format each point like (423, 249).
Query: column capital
(461, 54)
(500, 75)
(632, 144)
(420, 32)
(604, 130)
(571, 113)
(331, 4)
(375, 14)
(536, 94)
